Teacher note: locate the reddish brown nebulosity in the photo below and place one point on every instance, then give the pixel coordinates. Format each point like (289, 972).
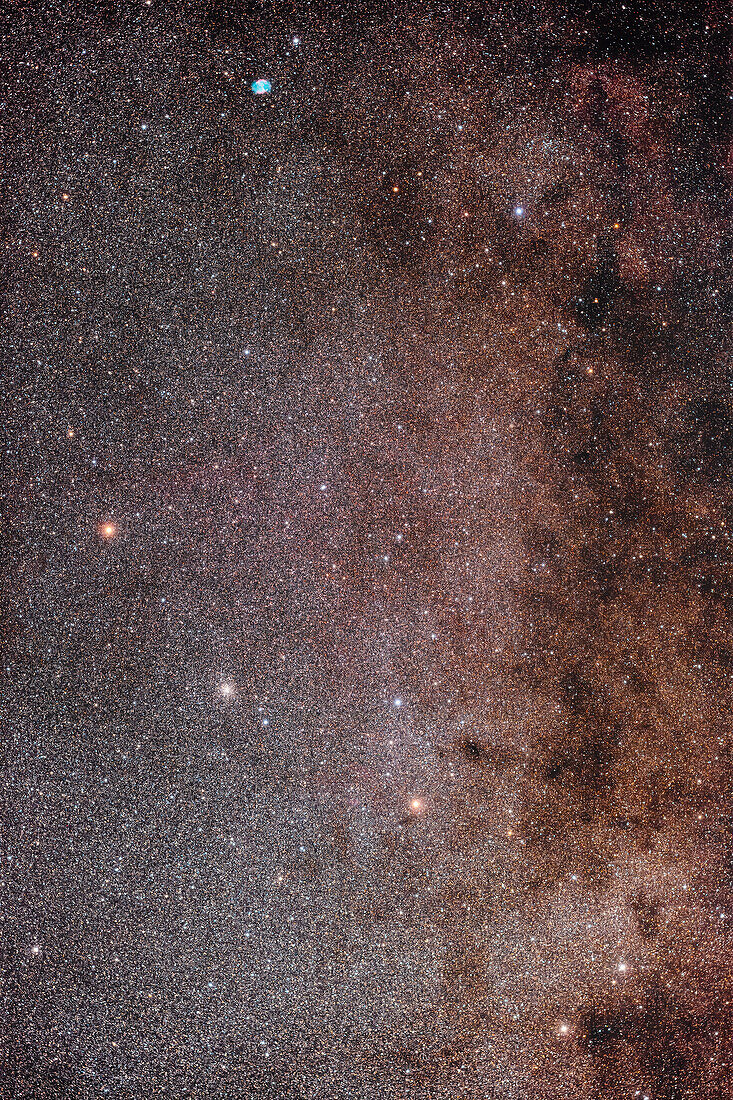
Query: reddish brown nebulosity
(367, 530)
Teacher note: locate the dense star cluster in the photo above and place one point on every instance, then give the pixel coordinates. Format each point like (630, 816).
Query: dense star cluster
(367, 643)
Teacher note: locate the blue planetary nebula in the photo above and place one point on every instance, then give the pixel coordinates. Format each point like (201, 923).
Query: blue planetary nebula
(261, 87)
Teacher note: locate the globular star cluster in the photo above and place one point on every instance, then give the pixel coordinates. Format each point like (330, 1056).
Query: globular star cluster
(367, 642)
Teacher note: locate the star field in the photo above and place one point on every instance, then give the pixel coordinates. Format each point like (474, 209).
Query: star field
(366, 634)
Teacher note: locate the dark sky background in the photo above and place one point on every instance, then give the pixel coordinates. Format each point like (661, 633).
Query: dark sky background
(366, 636)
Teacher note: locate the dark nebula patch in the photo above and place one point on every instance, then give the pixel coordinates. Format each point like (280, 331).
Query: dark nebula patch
(659, 1043)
